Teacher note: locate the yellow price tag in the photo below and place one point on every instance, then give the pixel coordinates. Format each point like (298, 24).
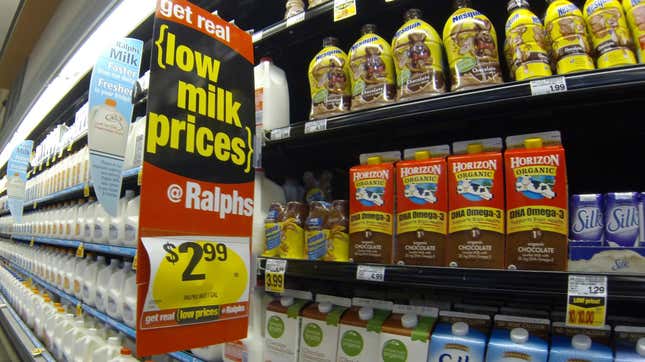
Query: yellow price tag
(35, 204)
(40, 167)
(344, 9)
(79, 309)
(86, 190)
(69, 147)
(135, 260)
(587, 301)
(80, 251)
(31, 243)
(35, 352)
(197, 280)
(140, 176)
(47, 165)
(274, 275)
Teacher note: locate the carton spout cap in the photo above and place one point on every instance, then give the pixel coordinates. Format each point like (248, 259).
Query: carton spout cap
(533, 143)
(421, 155)
(474, 148)
(324, 307)
(640, 346)
(374, 160)
(409, 320)
(519, 335)
(581, 342)
(366, 313)
(286, 301)
(460, 329)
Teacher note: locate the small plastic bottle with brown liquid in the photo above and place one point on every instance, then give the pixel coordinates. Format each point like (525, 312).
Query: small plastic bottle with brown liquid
(273, 229)
(471, 47)
(329, 81)
(292, 245)
(371, 70)
(337, 228)
(609, 33)
(316, 237)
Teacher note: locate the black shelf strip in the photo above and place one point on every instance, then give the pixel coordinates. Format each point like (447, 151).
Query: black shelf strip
(272, 30)
(623, 287)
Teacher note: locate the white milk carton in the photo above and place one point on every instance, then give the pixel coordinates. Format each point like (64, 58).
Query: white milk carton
(459, 337)
(320, 328)
(283, 329)
(405, 334)
(360, 330)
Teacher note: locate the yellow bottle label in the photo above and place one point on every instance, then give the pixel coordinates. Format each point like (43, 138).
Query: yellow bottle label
(272, 238)
(293, 240)
(548, 218)
(565, 28)
(372, 72)
(427, 220)
(379, 222)
(484, 218)
(609, 33)
(316, 244)
(471, 47)
(418, 55)
(635, 10)
(329, 82)
(338, 244)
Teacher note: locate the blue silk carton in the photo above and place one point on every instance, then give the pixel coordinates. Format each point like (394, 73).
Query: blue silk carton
(517, 339)
(459, 337)
(580, 344)
(630, 344)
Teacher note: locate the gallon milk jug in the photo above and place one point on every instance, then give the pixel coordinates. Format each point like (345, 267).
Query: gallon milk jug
(90, 219)
(132, 223)
(115, 291)
(209, 353)
(89, 280)
(102, 284)
(50, 326)
(65, 325)
(271, 96)
(79, 274)
(130, 299)
(101, 224)
(86, 345)
(116, 234)
(108, 351)
(70, 338)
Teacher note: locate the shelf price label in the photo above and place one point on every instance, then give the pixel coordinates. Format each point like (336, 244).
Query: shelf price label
(295, 19)
(315, 126)
(196, 280)
(344, 9)
(370, 273)
(280, 133)
(587, 301)
(80, 251)
(274, 275)
(548, 86)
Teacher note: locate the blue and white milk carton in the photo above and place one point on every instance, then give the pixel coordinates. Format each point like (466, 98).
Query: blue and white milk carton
(587, 221)
(516, 339)
(580, 344)
(622, 220)
(630, 344)
(459, 337)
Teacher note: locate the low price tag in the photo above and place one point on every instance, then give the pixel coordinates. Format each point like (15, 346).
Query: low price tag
(80, 251)
(548, 86)
(370, 273)
(196, 280)
(293, 20)
(344, 9)
(587, 301)
(315, 126)
(280, 133)
(274, 275)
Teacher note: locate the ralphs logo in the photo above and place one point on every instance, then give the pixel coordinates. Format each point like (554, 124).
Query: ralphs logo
(474, 165)
(379, 174)
(551, 160)
(214, 200)
(419, 170)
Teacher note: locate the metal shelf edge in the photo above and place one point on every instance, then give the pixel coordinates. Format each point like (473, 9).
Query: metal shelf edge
(102, 248)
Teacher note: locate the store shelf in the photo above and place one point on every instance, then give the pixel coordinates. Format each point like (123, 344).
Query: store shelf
(99, 248)
(282, 26)
(497, 98)
(24, 341)
(624, 287)
(118, 325)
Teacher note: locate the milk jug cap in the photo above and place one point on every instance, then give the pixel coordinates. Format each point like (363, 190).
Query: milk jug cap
(374, 160)
(519, 335)
(125, 351)
(409, 320)
(365, 313)
(266, 59)
(286, 301)
(581, 342)
(421, 155)
(474, 148)
(324, 307)
(460, 329)
(640, 346)
(533, 143)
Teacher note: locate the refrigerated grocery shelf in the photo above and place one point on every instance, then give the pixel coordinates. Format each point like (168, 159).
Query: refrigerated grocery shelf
(118, 325)
(601, 82)
(24, 341)
(623, 287)
(99, 248)
(263, 34)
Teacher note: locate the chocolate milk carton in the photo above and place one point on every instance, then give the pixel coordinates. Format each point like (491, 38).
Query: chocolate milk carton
(371, 208)
(320, 329)
(630, 344)
(360, 329)
(580, 344)
(536, 202)
(476, 204)
(517, 339)
(459, 337)
(422, 206)
(282, 335)
(406, 334)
